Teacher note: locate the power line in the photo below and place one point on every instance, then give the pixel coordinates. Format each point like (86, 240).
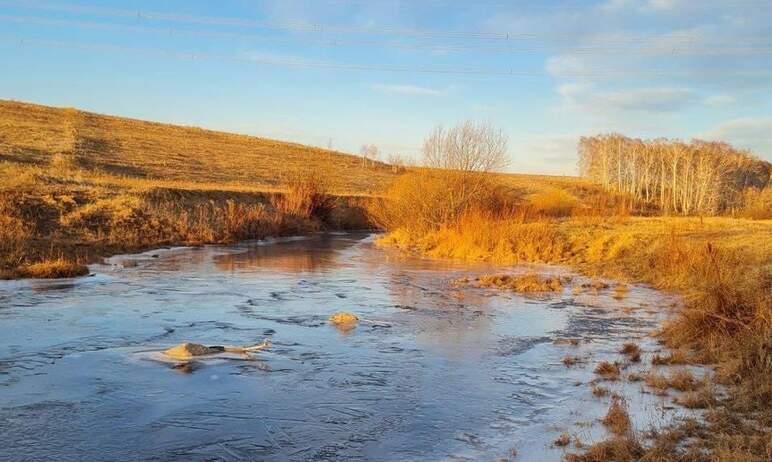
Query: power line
(302, 64)
(672, 49)
(288, 26)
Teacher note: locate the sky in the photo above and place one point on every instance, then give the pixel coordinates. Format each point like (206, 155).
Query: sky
(344, 73)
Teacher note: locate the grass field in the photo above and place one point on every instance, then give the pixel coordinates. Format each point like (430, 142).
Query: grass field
(32, 134)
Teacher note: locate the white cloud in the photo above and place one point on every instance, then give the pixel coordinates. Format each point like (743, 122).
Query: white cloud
(662, 4)
(268, 57)
(754, 133)
(409, 90)
(720, 100)
(586, 98)
(551, 154)
(649, 99)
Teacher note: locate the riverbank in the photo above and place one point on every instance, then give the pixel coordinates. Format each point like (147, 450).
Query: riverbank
(720, 266)
(58, 218)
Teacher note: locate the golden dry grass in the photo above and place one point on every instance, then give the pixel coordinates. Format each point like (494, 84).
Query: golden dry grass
(78, 186)
(529, 283)
(599, 391)
(53, 269)
(608, 370)
(632, 351)
(721, 266)
(563, 440)
(50, 212)
(34, 134)
(681, 380)
(569, 360)
(617, 420)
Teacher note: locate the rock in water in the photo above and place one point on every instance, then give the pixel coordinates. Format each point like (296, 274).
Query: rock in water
(188, 350)
(344, 320)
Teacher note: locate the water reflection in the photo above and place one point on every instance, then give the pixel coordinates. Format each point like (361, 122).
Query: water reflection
(432, 371)
(314, 254)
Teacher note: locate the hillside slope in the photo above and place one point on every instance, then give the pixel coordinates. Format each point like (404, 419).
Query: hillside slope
(31, 133)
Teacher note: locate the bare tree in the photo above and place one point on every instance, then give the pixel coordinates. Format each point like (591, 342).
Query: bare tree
(687, 178)
(398, 162)
(467, 147)
(369, 153)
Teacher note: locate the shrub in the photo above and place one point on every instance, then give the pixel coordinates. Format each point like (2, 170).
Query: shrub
(424, 201)
(757, 203)
(305, 198)
(553, 203)
(14, 238)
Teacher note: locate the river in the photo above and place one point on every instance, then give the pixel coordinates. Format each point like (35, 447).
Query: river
(433, 372)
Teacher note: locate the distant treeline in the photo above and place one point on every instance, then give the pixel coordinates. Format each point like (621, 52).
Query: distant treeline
(700, 177)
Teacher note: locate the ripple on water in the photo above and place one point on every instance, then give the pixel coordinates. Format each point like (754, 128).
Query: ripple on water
(432, 372)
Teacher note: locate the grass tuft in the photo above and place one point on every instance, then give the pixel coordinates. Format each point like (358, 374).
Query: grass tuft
(608, 370)
(632, 351)
(53, 269)
(617, 420)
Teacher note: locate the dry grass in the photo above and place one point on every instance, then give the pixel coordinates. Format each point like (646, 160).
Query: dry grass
(81, 186)
(617, 420)
(53, 269)
(47, 213)
(569, 360)
(608, 370)
(701, 398)
(620, 291)
(563, 440)
(567, 341)
(681, 380)
(632, 351)
(137, 149)
(721, 266)
(671, 358)
(529, 283)
(599, 391)
(619, 449)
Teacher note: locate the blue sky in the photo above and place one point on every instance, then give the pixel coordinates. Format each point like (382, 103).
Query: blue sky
(384, 72)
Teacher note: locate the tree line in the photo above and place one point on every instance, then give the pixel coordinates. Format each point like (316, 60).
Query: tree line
(699, 177)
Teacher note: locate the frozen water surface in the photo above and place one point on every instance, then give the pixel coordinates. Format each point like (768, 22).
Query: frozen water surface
(436, 373)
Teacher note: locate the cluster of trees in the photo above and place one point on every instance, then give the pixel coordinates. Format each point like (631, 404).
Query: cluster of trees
(700, 177)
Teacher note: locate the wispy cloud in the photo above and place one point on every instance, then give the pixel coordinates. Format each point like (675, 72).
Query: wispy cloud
(746, 132)
(408, 90)
(720, 100)
(269, 57)
(665, 99)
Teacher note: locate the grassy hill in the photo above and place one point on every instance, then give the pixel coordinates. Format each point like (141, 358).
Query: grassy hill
(75, 185)
(32, 134)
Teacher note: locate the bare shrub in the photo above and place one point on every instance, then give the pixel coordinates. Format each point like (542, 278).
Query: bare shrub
(467, 147)
(14, 237)
(305, 198)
